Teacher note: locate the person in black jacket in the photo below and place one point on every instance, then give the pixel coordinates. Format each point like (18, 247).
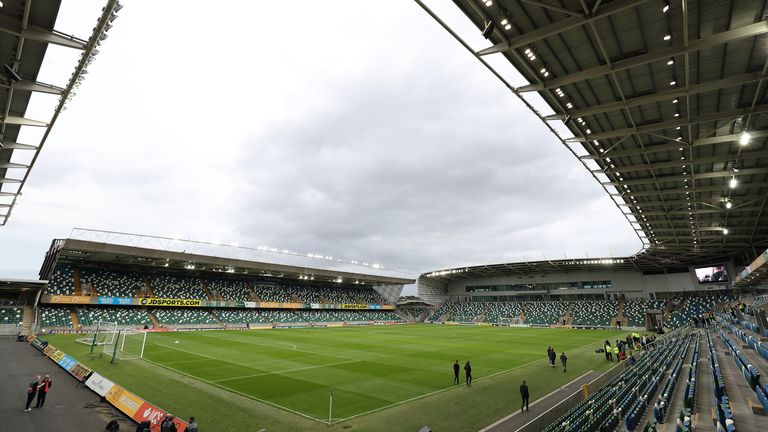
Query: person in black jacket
(168, 425)
(468, 371)
(563, 360)
(112, 426)
(31, 392)
(524, 396)
(456, 368)
(552, 357)
(42, 391)
(144, 426)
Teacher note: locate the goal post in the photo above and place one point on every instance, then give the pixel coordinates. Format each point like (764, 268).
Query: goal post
(126, 345)
(103, 334)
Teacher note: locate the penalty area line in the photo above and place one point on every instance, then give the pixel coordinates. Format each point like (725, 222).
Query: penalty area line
(286, 371)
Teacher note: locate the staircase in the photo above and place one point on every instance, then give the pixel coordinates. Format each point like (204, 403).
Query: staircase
(153, 319)
(76, 280)
(74, 318)
(619, 316)
(29, 318)
(569, 315)
(207, 291)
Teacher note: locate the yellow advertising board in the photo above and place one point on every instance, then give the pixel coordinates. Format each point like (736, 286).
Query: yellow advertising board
(58, 355)
(150, 301)
(68, 299)
(353, 306)
(124, 400)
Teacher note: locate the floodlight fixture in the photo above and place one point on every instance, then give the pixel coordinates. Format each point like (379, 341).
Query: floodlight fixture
(745, 138)
(665, 8)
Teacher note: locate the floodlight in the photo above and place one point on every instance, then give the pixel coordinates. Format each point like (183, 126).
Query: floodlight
(665, 8)
(745, 137)
(733, 182)
(728, 204)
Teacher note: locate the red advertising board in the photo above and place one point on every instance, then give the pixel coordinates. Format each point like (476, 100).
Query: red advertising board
(155, 415)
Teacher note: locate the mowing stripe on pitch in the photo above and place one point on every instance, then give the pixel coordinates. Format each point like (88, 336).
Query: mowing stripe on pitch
(237, 392)
(278, 347)
(286, 371)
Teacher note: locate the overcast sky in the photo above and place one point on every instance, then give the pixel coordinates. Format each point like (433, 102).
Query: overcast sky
(356, 129)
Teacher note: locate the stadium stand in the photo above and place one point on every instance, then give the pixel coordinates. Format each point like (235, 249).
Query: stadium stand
(317, 316)
(371, 315)
(634, 311)
(626, 395)
(693, 307)
(271, 293)
(413, 312)
(235, 290)
(184, 316)
(501, 311)
(724, 414)
(11, 315)
(545, 312)
(111, 283)
(171, 286)
(61, 282)
(55, 317)
(280, 316)
(240, 316)
(594, 313)
(120, 316)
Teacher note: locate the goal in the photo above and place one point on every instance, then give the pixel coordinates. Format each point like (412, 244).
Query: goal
(103, 334)
(126, 345)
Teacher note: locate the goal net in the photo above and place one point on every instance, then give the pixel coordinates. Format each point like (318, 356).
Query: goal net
(126, 345)
(103, 334)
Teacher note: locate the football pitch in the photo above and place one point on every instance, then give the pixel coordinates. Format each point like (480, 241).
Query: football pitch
(372, 373)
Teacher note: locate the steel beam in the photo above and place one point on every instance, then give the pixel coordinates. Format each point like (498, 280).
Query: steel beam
(15, 120)
(559, 27)
(676, 163)
(663, 54)
(697, 176)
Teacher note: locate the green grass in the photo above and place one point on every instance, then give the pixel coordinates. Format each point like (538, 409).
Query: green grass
(280, 379)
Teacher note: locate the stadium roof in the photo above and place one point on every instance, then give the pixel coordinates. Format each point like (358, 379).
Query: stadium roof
(26, 30)
(95, 246)
(664, 103)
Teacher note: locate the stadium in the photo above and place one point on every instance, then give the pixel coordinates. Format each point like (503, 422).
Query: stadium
(662, 102)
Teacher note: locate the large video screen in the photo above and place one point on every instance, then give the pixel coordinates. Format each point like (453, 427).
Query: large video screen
(712, 274)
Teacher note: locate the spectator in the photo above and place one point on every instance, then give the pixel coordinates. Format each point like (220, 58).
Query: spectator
(192, 427)
(524, 396)
(168, 425)
(563, 360)
(112, 426)
(42, 391)
(144, 426)
(31, 392)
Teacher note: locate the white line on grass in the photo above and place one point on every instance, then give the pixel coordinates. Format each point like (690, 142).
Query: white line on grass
(183, 350)
(279, 347)
(489, 427)
(188, 361)
(286, 371)
(448, 388)
(238, 392)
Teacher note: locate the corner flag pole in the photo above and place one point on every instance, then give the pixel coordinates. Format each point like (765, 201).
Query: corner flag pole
(330, 406)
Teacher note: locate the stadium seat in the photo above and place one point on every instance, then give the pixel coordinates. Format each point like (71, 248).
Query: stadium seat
(11, 315)
(180, 287)
(120, 316)
(594, 313)
(545, 312)
(55, 317)
(184, 316)
(61, 282)
(112, 283)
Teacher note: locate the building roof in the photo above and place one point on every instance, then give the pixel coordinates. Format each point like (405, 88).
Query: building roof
(27, 28)
(663, 102)
(106, 247)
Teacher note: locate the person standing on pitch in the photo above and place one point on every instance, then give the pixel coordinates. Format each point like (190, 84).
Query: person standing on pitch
(552, 357)
(42, 391)
(524, 396)
(563, 360)
(608, 353)
(456, 369)
(616, 352)
(31, 392)
(468, 371)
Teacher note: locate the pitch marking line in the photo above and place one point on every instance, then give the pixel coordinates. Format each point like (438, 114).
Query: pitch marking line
(272, 404)
(449, 388)
(279, 347)
(285, 371)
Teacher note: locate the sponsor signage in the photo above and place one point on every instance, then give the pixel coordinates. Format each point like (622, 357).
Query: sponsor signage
(68, 299)
(57, 356)
(353, 306)
(124, 400)
(66, 362)
(155, 416)
(99, 384)
(150, 301)
(115, 300)
(80, 372)
(49, 350)
(275, 305)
